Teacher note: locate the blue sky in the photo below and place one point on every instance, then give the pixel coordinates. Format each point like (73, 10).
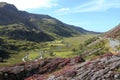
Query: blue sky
(94, 15)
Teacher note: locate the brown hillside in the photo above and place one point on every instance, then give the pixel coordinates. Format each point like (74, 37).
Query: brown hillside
(114, 33)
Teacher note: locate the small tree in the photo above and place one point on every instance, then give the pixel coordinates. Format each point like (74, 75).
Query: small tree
(51, 54)
(74, 50)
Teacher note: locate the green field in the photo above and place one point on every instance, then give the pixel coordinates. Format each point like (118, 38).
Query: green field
(57, 48)
(61, 48)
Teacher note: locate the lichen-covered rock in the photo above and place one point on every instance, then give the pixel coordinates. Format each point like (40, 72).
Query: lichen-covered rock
(100, 69)
(103, 68)
(36, 69)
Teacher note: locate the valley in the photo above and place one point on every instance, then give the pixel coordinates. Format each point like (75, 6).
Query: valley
(41, 47)
(58, 48)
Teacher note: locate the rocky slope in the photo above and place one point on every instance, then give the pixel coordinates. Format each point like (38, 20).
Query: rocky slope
(105, 67)
(33, 68)
(114, 33)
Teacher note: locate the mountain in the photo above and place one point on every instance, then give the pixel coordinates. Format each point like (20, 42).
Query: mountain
(114, 33)
(20, 30)
(15, 26)
(22, 25)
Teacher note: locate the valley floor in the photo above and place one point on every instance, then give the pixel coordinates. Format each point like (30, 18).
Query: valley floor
(58, 48)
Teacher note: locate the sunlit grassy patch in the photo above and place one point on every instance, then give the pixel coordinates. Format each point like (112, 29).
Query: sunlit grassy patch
(33, 55)
(65, 54)
(14, 58)
(118, 70)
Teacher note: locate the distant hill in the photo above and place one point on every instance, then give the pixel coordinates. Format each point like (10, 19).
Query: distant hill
(33, 27)
(114, 33)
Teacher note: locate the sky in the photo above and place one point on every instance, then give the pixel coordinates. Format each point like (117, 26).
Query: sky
(93, 15)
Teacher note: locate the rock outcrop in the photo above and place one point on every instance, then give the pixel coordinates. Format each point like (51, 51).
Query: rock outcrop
(103, 68)
(27, 69)
(106, 67)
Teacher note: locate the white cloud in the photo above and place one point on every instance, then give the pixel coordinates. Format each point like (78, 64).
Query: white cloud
(62, 10)
(98, 5)
(27, 4)
(92, 6)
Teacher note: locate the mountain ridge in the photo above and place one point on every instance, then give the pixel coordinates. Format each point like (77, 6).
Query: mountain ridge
(46, 24)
